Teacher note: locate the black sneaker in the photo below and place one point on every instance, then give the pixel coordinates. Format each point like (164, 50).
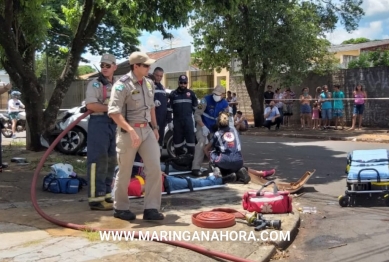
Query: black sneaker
(124, 214)
(230, 178)
(243, 175)
(197, 172)
(152, 214)
(102, 206)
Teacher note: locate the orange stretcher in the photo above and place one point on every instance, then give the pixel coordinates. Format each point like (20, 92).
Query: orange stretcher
(292, 187)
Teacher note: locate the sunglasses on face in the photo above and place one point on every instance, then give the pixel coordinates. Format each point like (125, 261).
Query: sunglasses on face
(105, 66)
(183, 83)
(143, 65)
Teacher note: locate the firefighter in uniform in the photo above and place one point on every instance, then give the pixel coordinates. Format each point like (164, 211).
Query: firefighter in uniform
(182, 103)
(101, 158)
(132, 108)
(161, 101)
(205, 116)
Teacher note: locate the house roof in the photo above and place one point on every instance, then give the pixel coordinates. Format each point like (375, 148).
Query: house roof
(350, 47)
(124, 67)
(159, 54)
(86, 76)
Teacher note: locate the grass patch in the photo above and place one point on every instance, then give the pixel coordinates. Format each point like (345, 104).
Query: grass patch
(18, 143)
(92, 236)
(33, 158)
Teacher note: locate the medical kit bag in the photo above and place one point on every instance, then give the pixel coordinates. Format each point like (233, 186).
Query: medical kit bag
(64, 185)
(276, 202)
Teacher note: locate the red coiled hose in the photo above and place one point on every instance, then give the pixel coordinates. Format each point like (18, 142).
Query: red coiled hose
(196, 248)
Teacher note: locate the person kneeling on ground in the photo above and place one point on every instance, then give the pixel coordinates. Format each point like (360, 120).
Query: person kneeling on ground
(240, 122)
(272, 116)
(224, 152)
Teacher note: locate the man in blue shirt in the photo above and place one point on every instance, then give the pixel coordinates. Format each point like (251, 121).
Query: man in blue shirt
(272, 116)
(338, 106)
(205, 116)
(326, 107)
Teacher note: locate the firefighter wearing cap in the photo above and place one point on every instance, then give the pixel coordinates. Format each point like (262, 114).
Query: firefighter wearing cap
(205, 116)
(132, 108)
(182, 104)
(161, 101)
(101, 158)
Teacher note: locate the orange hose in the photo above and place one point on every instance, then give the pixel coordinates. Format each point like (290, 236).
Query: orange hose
(196, 248)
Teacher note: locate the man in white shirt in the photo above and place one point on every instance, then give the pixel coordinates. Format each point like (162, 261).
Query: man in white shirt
(272, 116)
(14, 104)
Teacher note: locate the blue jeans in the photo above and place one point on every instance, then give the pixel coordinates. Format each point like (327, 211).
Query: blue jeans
(171, 169)
(326, 113)
(178, 183)
(358, 109)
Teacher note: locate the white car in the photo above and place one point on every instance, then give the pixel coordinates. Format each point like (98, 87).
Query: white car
(75, 140)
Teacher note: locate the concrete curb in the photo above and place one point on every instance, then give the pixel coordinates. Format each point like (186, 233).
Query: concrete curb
(293, 229)
(270, 254)
(317, 137)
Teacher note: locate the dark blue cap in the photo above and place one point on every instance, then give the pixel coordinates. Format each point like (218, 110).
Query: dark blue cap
(182, 78)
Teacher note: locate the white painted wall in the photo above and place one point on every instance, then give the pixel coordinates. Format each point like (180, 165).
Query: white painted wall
(4, 76)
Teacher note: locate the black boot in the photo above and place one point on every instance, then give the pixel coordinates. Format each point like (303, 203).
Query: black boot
(230, 178)
(243, 175)
(152, 214)
(196, 172)
(124, 214)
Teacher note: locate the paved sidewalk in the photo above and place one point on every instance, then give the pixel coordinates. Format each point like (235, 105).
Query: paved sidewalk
(364, 135)
(30, 237)
(27, 236)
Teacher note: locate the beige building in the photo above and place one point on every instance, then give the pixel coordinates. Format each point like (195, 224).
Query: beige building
(349, 52)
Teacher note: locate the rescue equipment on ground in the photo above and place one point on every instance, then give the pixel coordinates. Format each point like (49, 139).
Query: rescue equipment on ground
(291, 187)
(260, 223)
(367, 173)
(226, 217)
(276, 202)
(64, 185)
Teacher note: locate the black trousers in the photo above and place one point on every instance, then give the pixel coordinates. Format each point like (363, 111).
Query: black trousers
(269, 123)
(183, 134)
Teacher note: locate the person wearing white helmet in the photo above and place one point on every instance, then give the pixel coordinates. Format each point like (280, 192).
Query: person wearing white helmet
(14, 105)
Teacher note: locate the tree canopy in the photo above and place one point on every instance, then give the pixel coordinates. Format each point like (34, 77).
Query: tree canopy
(356, 41)
(269, 38)
(369, 59)
(67, 29)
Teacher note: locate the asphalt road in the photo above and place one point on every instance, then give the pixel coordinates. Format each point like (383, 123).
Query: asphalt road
(333, 233)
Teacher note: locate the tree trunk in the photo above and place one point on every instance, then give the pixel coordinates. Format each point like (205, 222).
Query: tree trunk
(255, 91)
(34, 114)
(20, 53)
(91, 17)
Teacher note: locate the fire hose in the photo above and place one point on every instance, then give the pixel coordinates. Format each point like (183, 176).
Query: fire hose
(182, 244)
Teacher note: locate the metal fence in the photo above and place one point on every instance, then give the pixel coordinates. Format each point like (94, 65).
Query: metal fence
(73, 98)
(201, 82)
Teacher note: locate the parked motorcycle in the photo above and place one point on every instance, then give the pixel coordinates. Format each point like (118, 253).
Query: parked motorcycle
(7, 122)
(75, 140)
(168, 139)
